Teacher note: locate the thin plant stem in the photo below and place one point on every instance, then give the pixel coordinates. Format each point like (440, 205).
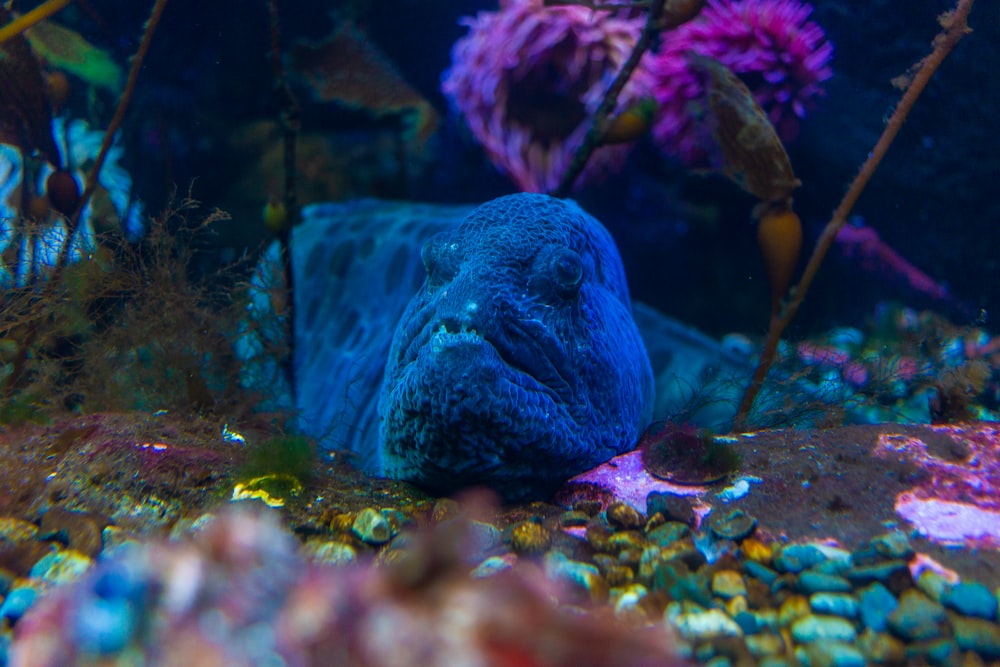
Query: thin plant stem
(73, 222)
(955, 28)
(28, 19)
(599, 123)
(291, 123)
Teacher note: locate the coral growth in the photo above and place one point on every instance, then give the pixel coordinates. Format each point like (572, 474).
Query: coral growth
(526, 79)
(771, 44)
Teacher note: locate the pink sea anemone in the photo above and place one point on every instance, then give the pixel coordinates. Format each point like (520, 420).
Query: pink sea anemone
(526, 79)
(781, 55)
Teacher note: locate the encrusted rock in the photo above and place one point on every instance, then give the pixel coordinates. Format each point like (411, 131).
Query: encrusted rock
(530, 537)
(623, 515)
(371, 527)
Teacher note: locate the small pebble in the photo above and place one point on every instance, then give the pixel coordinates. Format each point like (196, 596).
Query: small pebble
(17, 602)
(917, 617)
(834, 604)
(16, 531)
(623, 515)
(977, 634)
(329, 552)
(704, 625)
(971, 599)
(798, 557)
(893, 545)
(733, 525)
(60, 567)
(815, 627)
(530, 537)
(728, 584)
(668, 533)
(371, 527)
(876, 605)
(811, 581)
(830, 653)
(673, 508)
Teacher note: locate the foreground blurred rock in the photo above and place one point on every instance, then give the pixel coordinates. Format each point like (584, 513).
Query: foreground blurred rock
(237, 592)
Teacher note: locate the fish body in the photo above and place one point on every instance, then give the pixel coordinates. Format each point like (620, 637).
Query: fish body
(455, 345)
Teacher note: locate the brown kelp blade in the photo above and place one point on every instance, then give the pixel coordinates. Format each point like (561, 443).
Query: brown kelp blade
(752, 155)
(25, 113)
(349, 69)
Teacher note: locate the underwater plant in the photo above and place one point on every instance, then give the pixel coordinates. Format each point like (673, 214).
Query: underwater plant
(526, 79)
(781, 55)
(33, 232)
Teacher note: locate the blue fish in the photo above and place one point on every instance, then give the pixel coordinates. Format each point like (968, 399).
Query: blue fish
(453, 346)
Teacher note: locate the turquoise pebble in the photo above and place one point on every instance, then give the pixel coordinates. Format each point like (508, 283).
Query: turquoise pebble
(971, 599)
(818, 582)
(937, 652)
(831, 653)
(884, 571)
(17, 602)
(61, 567)
(917, 618)
(761, 572)
(876, 605)
(977, 634)
(104, 626)
(893, 545)
(490, 566)
(798, 557)
(666, 534)
(835, 604)
(815, 627)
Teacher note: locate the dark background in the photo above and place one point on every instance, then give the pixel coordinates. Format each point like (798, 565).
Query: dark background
(687, 240)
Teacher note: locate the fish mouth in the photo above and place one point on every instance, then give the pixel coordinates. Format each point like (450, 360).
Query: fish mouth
(534, 359)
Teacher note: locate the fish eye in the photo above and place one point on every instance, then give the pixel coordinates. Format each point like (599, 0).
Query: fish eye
(567, 273)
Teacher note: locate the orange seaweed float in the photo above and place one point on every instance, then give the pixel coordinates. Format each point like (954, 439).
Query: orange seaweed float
(779, 235)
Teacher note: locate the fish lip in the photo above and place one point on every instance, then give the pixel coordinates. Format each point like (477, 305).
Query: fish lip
(534, 370)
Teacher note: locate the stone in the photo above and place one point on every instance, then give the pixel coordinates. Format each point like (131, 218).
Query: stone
(830, 653)
(579, 576)
(623, 515)
(876, 605)
(886, 572)
(894, 545)
(17, 602)
(728, 584)
(917, 617)
(61, 567)
(977, 634)
(674, 508)
(793, 608)
(702, 625)
(530, 537)
(371, 527)
(811, 581)
(734, 525)
(836, 604)
(668, 533)
(761, 572)
(971, 599)
(329, 552)
(815, 627)
(798, 557)
(16, 531)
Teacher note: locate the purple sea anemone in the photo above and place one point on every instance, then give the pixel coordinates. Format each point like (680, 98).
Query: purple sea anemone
(526, 79)
(781, 55)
